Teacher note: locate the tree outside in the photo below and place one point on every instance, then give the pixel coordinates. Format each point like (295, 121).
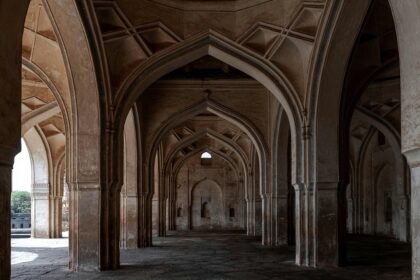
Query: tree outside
(21, 202)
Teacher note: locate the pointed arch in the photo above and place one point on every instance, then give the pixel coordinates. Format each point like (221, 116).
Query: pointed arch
(215, 45)
(210, 106)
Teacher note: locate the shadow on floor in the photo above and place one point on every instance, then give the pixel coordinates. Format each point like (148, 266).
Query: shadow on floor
(226, 255)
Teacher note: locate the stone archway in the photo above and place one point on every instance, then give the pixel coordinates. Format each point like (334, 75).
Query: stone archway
(230, 116)
(207, 207)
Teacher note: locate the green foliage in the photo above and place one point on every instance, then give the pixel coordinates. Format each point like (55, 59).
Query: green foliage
(21, 202)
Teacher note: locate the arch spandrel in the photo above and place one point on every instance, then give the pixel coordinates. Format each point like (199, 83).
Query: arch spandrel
(265, 36)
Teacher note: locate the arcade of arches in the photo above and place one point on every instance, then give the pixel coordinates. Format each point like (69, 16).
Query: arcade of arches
(291, 123)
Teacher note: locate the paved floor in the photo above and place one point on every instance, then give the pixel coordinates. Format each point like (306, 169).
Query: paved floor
(215, 256)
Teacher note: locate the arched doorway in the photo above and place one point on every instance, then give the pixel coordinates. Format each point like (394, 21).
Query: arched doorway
(207, 209)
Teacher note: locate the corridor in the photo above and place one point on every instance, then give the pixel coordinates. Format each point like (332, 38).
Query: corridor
(223, 255)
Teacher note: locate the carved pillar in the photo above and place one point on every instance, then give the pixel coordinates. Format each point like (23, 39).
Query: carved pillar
(40, 210)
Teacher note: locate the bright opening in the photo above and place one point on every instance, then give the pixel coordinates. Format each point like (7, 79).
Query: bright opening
(21, 177)
(205, 155)
(20, 203)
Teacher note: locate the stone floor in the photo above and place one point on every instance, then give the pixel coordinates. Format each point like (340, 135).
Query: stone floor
(214, 256)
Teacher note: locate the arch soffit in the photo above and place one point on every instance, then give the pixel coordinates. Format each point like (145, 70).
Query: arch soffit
(39, 152)
(384, 127)
(44, 77)
(221, 48)
(280, 137)
(331, 64)
(84, 92)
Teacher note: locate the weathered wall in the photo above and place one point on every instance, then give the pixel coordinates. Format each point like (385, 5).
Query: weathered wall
(217, 185)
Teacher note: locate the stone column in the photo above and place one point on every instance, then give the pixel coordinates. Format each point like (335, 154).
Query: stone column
(326, 239)
(251, 206)
(129, 190)
(84, 221)
(40, 210)
(301, 217)
(267, 230)
(145, 209)
(172, 207)
(172, 212)
(258, 218)
(413, 159)
(145, 221)
(281, 226)
(56, 216)
(162, 217)
(6, 165)
(317, 225)
(12, 16)
(415, 218)
(162, 203)
(129, 219)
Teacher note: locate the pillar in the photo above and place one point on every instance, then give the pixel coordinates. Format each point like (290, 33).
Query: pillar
(84, 223)
(267, 219)
(172, 208)
(317, 229)
(56, 216)
(145, 220)
(6, 166)
(129, 219)
(413, 159)
(281, 226)
(40, 211)
(326, 239)
(12, 15)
